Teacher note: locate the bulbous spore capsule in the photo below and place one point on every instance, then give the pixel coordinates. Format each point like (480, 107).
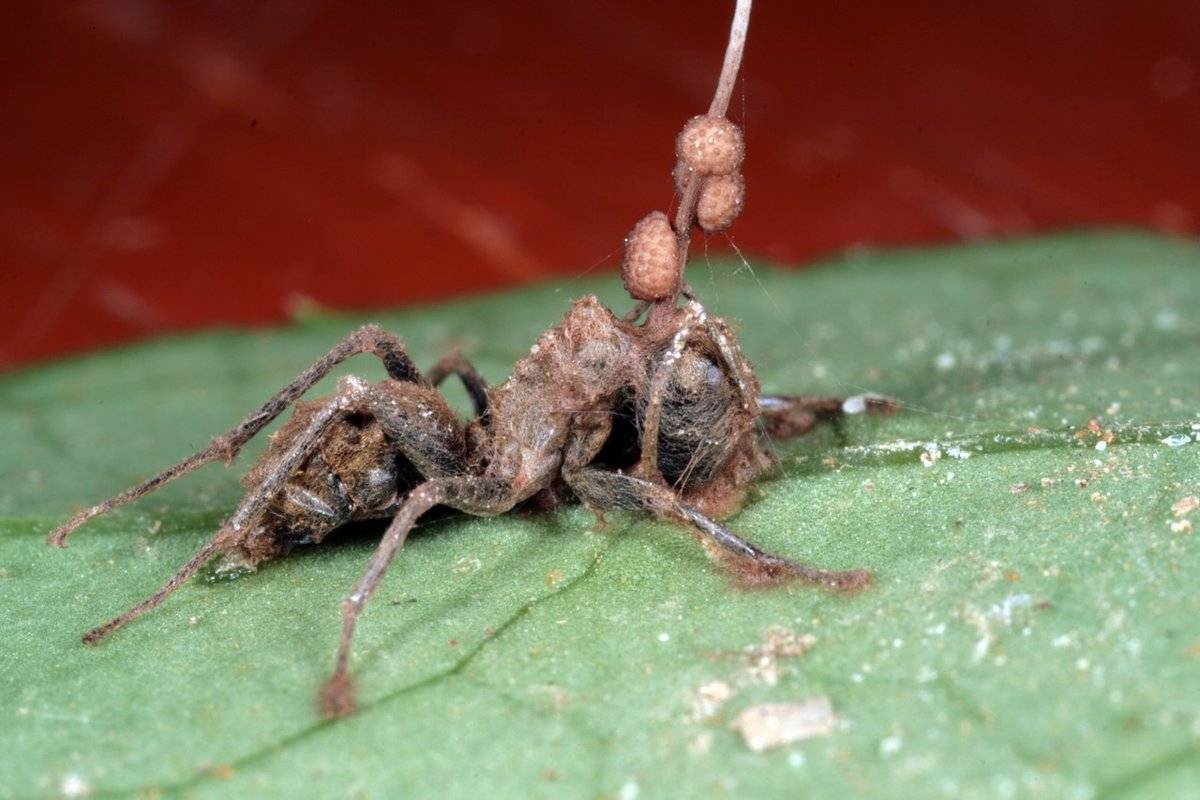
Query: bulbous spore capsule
(721, 201)
(711, 145)
(650, 268)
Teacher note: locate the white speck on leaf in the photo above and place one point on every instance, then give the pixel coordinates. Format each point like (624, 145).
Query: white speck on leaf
(771, 725)
(709, 699)
(1167, 319)
(854, 405)
(982, 622)
(701, 744)
(763, 660)
(468, 564)
(1186, 505)
(75, 786)
(930, 455)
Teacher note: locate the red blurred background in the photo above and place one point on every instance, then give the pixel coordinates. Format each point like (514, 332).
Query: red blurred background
(170, 165)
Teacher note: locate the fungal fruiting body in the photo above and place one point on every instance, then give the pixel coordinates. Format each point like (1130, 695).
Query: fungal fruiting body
(650, 268)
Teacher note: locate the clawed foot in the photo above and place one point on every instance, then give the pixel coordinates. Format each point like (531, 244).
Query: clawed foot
(772, 571)
(870, 404)
(58, 537)
(93, 637)
(336, 698)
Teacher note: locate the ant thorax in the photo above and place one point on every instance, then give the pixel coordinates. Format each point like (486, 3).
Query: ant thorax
(583, 394)
(569, 381)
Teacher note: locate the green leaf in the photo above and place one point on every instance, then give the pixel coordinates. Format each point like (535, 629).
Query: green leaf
(1034, 629)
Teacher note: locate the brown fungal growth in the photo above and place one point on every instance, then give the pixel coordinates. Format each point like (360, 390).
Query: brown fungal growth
(721, 201)
(337, 697)
(750, 573)
(681, 175)
(663, 415)
(650, 268)
(711, 145)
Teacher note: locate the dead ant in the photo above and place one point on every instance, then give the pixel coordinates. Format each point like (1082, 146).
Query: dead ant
(663, 416)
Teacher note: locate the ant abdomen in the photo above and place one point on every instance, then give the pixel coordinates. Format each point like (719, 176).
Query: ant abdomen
(700, 423)
(356, 471)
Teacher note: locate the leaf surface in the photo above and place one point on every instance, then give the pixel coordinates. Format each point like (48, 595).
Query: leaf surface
(1034, 629)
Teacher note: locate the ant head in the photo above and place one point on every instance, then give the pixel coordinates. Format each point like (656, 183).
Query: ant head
(593, 348)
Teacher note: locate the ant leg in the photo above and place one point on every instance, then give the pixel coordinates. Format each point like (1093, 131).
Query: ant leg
(788, 416)
(367, 339)
(418, 421)
(238, 526)
(456, 364)
(694, 316)
(480, 496)
(731, 353)
(602, 489)
(757, 568)
(202, 557)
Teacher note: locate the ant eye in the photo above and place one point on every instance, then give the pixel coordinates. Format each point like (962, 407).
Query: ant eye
(712, 375)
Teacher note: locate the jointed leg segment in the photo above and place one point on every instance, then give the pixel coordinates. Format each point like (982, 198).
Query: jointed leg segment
(202, 556)
(788, 416)
(602, 489)
(695, 318)
(252, 505)
(481, 496)
(455, 363)
(368, 339)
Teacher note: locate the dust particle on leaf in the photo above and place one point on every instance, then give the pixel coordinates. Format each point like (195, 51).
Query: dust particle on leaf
(75, 786)
(552, 696)
(221, 772)
(1186, 506)
(709, 699)
(701, 745)
(467, 564)
(770, 725)
(762, 660)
